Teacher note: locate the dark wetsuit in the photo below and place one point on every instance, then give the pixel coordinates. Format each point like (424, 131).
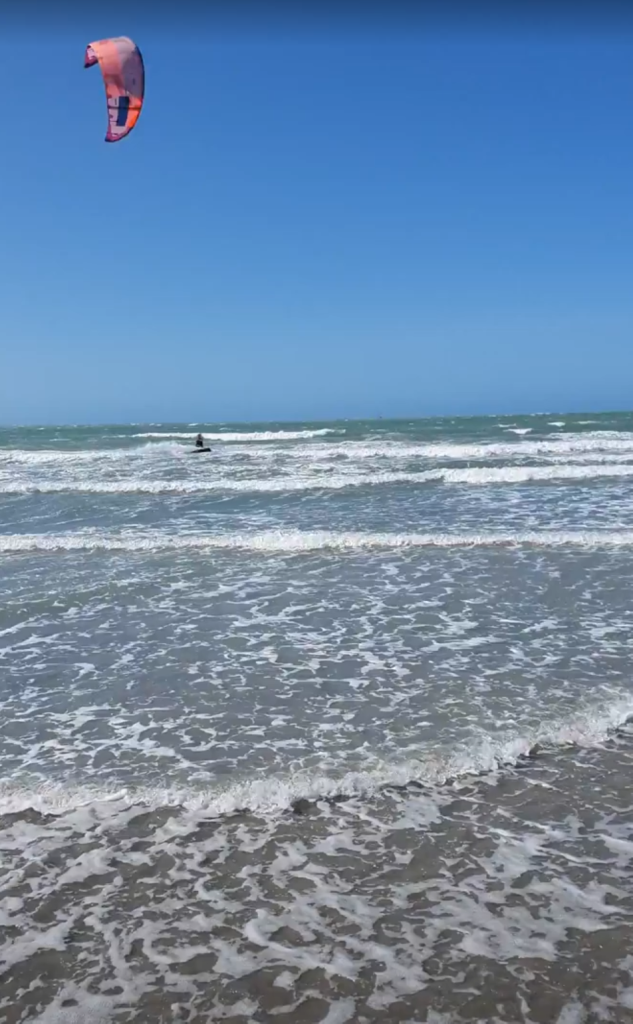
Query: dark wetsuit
(199, 441)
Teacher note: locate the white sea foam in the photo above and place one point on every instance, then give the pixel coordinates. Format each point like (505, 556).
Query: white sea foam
(22, 470)
(477, 475)
(323, 481)
(589, 728)
(599, 446)
(255, 435)
(557, 446)
(298, 541)
(560, 443)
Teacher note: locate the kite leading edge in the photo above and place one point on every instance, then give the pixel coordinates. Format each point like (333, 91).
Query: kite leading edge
(124, 79)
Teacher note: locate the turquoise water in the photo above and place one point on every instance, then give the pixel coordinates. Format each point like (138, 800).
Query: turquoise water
(472, 428)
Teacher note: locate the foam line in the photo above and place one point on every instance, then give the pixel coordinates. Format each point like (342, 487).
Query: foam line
(590, 728)
(298, 541)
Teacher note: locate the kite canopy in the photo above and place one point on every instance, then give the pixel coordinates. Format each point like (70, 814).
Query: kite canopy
(124, 78)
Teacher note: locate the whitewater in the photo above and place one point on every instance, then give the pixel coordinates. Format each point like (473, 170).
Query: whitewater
(332, 723)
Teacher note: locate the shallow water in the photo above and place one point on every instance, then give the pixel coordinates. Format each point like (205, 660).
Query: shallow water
(330, 724)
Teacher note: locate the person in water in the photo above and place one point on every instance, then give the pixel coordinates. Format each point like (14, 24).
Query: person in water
(199, 441)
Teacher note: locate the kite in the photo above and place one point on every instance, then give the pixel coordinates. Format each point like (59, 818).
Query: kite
(124, 79)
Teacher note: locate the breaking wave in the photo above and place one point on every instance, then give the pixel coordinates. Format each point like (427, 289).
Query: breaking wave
(297, 541)
(255, 435)
(323, 481)
(591, 727)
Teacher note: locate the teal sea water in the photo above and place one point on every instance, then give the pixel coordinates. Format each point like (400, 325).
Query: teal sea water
(331, 723)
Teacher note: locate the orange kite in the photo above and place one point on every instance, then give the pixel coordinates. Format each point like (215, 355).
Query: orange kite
(124, 78)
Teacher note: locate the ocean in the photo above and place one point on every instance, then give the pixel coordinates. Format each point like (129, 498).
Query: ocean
(331, 724)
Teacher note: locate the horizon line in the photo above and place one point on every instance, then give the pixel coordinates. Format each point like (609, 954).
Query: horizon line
(337, 419)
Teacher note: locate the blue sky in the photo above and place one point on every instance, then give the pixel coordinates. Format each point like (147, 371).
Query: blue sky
(309, 224)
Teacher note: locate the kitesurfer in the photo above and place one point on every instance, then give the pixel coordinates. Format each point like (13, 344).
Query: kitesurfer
(199, 441)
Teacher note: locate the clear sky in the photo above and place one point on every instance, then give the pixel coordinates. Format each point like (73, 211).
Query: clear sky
(314, 221)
